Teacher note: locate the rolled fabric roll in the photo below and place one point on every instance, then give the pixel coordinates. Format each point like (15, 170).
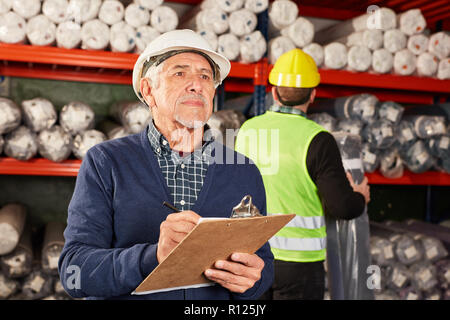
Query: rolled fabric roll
(394, 40)
(112, 129)
(242, 22)
(278, 46)
(370, 158)
(13, 28)
(335, 55)
(10, 115)
(136, 15)
(417, 158)
(55, 144)
(68, 35)
(301, 32)
(209, 36)
(229, 46)
(428, 126)
(443, 72)
(315, 50)
(26, 8)
(145, 35)
(230, 5)
(12, 222)
(411, 22)
(111, 12)
(405, 134)
(373, 39)
(353, 39)
(256, 6)
(382, 61)
(427, 64)
(5, 6)
(18, 263)
(86, 140)
(252, 47)
(149, 4)
(21, 144)
(52, 247)
(391, 111)
(55, 10)
(405, 62)
(325, 120)
(359, 58)
(164, 19)
(41, 31)
(83, 10)
(122, 37)
(352, 126)
(439, 45)
(39, 114)
(282, 13)
(391, 165)
(381, 134)
(134, 115)
(213, 19)
(94, 35)
(37, 285)
(76, 117)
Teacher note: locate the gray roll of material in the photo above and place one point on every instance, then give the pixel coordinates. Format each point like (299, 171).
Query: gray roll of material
(229, 46)
(68, 35)
(382, 61)
(427, 64)
(230, 5)
(417, 43)
(52, 246)
(443, 272)
(256, 6)
(21, 144)
(18, 263)
(12, 28)
(55, 144)
(423, 275)
(335, 55)
(324, 119)
(417, 158)
(39, 114)
(94, 35)
(278, 46)
(86, 140)
(145, 35)
(5, 6)
(399, 277)
(149, 4)
(439, 45)
(213, 19)
(443, 72)
(391, 165)
(412, 22)
(136, 15)
(391, 111)
(8, 287)
(405, 134)
(427, 126)
(122, 37)
(111, 12)
(41, 31)
(407, 249)
(37, 285)
(163, 19)
(394, 40)
(211, 37)
(315, 50)
(252, 47)
(242, 22)
(113, 130)
(81, 11)
(301, 32)
(359, 58)
(10, 115)
(282, 13)
(441, 146)
(133, 115)
(351, 126)
(26, 8)
(12, 222)
(410, 293)
(76, 117)
(361, 106)
(381, 134)
(382, 251)
(370, 158)
(434, 250)
(55, 10)
(405, 62)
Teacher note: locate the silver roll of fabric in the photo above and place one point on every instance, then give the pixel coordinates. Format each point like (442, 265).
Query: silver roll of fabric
(76, 117)
(10, 115)
(324, 119)
(417, 158)
(391, 111)
(21, 144)
(86, 140)
(134, 116)
(39, 114)
(55, 144)
(391, 165)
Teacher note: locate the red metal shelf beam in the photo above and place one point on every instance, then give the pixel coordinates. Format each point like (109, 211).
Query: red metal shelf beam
(433, 178)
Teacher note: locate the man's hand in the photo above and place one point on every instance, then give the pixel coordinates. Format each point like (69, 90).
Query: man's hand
(173, 230)
(237, 275)
(362, 188)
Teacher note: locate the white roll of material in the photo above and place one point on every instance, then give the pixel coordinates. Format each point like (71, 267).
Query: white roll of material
(394, 40)
(282, 13)
(382, 19)
(209, 36)
(278, 46)
(242, 22)
(41, 31)
(26, 8)
(122, 37)
(382, 61)
(21, 144)
(94, 35)
(417, 43)
(412, 22)
(214, 19)
(111, 12)
(55, 10)
(145, 35)
(427, 64)
(253, 47)
(86, 140)
(335, 55)
(301, 32)
(443, 72)
(439, 45)
(256, 6)
(164, 19)
(149, 4)
(39, 114)
(83, 10)
(13, 28)
(136, 15)
(373, 39)
(5, 6)
(54, 144)
(76, 117)
(230, 5)
(229, 46)
(68, 35)
(359, 58)
(10, 115)
(405, 62)
(315, 50)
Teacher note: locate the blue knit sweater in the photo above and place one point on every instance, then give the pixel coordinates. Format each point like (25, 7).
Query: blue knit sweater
(116, 211)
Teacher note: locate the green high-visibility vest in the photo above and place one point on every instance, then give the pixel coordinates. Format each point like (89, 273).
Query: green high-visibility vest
(278, 144)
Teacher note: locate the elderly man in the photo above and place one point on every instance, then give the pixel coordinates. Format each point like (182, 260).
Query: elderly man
(118, 229)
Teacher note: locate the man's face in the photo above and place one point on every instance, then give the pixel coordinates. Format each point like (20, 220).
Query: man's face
(186, 90)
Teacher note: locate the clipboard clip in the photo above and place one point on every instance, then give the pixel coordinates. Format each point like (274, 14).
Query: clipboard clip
(245, 210)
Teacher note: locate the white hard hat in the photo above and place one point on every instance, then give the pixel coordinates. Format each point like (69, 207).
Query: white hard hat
(173, 41)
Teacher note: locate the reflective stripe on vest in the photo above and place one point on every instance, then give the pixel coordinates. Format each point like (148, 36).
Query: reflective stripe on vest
(305, 222)
(296, 244)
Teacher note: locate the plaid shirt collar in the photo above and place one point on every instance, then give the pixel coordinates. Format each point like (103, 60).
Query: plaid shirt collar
(284, 109)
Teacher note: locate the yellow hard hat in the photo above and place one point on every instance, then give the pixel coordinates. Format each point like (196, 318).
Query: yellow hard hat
(295, 69)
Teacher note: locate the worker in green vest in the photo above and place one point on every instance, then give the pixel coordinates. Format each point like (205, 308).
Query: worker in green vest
(303, 174)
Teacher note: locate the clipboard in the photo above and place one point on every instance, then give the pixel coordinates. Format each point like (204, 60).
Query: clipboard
(209, 241)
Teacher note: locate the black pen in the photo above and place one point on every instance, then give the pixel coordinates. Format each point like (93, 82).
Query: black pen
(168, 205)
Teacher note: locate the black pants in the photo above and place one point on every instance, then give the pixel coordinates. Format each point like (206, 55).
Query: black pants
(297, 281)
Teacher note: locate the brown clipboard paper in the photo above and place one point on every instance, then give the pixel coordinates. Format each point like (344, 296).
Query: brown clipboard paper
(209, 241)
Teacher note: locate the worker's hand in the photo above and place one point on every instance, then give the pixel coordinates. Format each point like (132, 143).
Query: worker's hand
(239, 274)
(362, 188)
(173, 230)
